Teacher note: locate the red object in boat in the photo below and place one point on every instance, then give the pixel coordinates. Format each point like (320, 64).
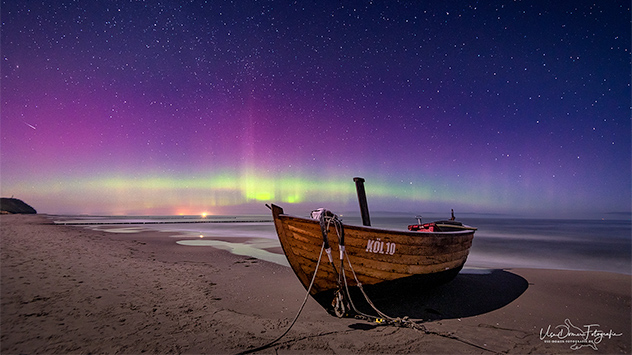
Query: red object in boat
(426, 227)
(440, 226)
(450, 225)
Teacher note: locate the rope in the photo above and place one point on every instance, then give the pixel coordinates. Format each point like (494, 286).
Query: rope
(341, 301)
(297, 314)
(342, 281)
(398, 322)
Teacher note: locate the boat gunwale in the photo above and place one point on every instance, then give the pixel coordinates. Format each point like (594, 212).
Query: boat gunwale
(385, 231)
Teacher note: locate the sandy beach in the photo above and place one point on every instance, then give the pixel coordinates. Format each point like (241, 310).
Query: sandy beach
(68, 289)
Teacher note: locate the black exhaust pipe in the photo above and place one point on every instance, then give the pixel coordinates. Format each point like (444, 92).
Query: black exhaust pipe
(364, 208)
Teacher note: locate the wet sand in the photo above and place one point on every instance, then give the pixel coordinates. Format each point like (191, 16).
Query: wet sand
(69, 289)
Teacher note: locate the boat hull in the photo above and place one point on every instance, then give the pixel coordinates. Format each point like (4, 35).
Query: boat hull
(378, 256)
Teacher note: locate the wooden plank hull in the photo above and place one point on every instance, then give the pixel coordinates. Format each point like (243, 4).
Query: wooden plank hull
(377, 255)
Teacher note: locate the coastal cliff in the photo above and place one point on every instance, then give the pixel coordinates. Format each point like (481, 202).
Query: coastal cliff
(14, 205)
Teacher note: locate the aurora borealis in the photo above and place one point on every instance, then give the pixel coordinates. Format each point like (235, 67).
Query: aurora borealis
(169, 107)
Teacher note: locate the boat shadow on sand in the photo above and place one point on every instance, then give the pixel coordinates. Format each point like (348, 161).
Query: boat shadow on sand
(472, 292)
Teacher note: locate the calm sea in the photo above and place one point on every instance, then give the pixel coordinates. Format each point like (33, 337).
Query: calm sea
(599, 245)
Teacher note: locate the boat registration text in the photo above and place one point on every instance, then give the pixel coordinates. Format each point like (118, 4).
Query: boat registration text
(379, 247)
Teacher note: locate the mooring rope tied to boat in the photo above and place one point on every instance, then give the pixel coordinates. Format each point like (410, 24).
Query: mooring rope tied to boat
(399, 321)
(390, 320)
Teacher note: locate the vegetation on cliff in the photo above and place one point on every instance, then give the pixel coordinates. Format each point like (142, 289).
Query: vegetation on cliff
(14, 205)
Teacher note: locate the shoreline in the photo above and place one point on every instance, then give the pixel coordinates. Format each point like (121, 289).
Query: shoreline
(73, 290)
(541, 245)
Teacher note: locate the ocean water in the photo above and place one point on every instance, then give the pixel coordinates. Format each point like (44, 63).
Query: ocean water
(504, 243)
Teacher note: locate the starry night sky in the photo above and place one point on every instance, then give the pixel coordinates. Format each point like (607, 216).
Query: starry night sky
(171, 107)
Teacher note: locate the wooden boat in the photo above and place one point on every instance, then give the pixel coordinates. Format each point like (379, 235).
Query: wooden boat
(377, 256)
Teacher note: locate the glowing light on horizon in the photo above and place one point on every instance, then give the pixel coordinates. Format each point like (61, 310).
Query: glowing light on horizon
(163, 193)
